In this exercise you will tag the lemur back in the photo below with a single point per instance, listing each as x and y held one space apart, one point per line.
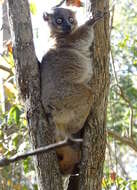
66 70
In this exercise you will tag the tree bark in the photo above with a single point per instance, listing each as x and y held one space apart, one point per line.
28 80
93 154
6 27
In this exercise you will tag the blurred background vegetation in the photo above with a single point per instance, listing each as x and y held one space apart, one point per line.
120 168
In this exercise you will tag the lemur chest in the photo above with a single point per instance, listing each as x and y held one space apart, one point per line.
75 62
82 52
85 64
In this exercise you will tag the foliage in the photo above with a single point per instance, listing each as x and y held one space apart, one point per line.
13 132
117 182
122 105
33 8
125 56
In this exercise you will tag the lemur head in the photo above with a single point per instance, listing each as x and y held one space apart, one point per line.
61 21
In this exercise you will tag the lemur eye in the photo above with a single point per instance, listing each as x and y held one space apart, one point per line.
71 20
59 20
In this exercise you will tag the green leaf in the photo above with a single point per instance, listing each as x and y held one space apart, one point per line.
26 164
15 139
135 62
33 8
17 115
14 115
10 115
123 44
24 187
134 185
1 134
35 187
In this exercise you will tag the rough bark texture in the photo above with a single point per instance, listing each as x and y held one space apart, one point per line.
91 168
6 27
27 74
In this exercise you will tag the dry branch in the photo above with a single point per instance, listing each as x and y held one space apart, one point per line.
6 161
58 5
122 94
2 67
125 140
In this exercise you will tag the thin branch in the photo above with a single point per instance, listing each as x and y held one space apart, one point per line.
122 94
111 154
125 140
58 5
2 67
131 122
131 111
113 65
6 161
112 18
3 99
5 27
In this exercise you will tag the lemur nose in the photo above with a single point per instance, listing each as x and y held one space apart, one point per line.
66 28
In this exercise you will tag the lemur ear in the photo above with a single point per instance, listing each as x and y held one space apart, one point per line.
46 16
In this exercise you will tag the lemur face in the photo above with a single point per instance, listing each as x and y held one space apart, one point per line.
61 21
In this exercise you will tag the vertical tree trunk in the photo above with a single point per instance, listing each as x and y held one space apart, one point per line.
6 27
27 74
91 168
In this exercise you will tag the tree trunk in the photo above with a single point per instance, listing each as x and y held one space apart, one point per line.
28 79
93 155
6 27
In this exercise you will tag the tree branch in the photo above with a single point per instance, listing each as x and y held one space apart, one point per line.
122 94
93 148
6 161
131 111
120 163
5 69
61 3
98 16
125 140
112 18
